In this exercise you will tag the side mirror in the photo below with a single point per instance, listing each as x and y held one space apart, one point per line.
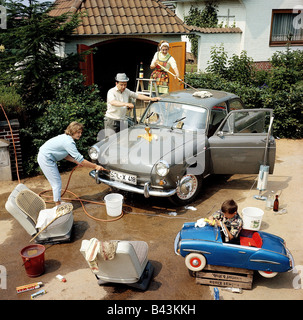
220 133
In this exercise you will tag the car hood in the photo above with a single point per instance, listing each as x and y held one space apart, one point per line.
190 232
132 147
272 242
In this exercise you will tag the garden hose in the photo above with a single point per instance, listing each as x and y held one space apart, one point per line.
65 190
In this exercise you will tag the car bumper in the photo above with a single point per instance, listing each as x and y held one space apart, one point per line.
147 191
176 244
291 259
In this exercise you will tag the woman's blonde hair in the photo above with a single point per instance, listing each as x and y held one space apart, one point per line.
73 127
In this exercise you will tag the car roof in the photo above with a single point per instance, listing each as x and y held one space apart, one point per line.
186 97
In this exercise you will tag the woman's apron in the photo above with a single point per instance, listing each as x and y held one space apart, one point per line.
161 76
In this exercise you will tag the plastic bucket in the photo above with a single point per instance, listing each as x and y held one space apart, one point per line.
252 218
113 202
33 259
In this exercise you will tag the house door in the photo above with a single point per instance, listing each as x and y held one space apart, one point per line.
87 65
178 51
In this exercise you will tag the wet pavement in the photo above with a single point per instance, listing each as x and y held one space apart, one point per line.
148 220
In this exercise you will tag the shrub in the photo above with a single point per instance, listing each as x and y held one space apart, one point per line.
74 102
11 102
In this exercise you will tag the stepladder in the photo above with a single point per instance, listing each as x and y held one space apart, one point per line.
146 87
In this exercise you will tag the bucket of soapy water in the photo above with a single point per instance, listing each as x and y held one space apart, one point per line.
113 202
33 259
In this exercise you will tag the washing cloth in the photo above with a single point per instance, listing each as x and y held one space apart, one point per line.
200 223
47 215
106 249
202 94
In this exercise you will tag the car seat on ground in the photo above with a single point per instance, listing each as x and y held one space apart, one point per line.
119 262
25 206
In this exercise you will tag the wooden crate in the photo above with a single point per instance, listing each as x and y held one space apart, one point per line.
225 277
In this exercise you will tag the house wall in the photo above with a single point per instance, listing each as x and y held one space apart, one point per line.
71 47
252 17
207 41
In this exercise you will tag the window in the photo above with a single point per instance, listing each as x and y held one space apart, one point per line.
235 104
285 27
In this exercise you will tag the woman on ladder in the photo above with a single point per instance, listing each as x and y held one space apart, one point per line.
164 59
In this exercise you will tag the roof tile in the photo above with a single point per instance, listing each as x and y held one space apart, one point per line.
113 17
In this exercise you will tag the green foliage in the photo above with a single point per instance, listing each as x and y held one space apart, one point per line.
287 69
11 102
218 63
281 88
74 102
288 112
29 60
237 68
206 18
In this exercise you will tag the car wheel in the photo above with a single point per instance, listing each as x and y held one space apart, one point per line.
189 187
267 274
195 261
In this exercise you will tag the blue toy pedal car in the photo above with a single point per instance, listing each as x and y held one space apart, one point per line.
257 250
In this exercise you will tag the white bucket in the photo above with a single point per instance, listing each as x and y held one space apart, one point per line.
113 202
252 218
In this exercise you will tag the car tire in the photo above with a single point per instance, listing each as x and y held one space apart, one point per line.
190 185
195 261
267 274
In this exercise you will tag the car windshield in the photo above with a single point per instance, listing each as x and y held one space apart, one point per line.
175 115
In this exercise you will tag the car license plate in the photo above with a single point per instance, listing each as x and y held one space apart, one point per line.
123 177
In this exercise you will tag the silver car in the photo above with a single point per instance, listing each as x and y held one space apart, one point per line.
180 140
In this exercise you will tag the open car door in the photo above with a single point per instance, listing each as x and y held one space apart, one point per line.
238 145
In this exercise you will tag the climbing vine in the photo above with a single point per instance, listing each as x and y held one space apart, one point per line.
206 18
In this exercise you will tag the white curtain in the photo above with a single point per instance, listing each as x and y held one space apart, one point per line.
284 28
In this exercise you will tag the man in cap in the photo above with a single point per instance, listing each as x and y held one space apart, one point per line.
117 104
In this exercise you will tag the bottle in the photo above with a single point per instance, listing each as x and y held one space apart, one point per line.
276 204
270 200
141 71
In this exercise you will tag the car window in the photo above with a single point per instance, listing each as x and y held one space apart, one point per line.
217 115
235 104
252 121
176 115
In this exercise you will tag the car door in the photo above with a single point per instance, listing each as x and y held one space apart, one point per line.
238 145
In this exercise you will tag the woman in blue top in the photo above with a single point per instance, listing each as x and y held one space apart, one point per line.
61 147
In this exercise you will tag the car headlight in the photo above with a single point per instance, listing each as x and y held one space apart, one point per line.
94 152
162 168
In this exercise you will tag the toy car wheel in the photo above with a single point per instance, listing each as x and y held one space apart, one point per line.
267 274
189 187
195 261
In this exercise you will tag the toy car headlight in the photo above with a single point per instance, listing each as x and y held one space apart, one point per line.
94 152
162 168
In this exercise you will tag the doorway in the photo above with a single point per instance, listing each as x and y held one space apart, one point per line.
121 56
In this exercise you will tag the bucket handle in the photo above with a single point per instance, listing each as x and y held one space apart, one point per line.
26 260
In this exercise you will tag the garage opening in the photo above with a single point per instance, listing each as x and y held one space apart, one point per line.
121 56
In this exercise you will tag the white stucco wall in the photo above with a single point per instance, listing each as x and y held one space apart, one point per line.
71 47
207 41
252 17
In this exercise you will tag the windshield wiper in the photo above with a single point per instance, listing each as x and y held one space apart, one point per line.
176 121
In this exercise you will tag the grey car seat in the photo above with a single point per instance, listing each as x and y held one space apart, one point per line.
129 263
25 205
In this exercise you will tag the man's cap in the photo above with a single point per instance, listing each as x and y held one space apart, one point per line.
121 77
